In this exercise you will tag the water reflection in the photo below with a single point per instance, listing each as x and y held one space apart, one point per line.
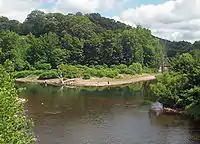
103 116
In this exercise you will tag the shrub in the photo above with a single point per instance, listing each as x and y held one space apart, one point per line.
48 75
86 76
136 68
126 71
98 67
69 71
105 66
9 66
123 69
22 74
118 77
111 74
113 67
122 66
149 70
38 72
81 67
15 127
100 73
42 66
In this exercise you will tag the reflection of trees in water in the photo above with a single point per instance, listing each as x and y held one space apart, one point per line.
80 99
122 91
126 91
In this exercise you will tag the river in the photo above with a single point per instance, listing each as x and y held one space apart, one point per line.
116 115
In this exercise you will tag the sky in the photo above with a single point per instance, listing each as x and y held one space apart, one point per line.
170 19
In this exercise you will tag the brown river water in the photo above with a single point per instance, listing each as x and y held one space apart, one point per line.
116 115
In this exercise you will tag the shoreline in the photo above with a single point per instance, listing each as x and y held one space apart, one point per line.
172 111
95 82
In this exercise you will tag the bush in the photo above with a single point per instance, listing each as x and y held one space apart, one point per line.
126 71
169 87
99 67
9 66
86 76
111 74
136 68
42 66
15 127
48 75
81 67
122 66
22 74
105 66
113 67
69 71
100 73
149 70
38 72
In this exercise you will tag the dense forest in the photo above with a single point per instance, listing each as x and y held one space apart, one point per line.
90 39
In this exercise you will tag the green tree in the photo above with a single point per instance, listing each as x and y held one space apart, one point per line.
15 127
180 88
34 23
9 66
183 63
91 50
90 39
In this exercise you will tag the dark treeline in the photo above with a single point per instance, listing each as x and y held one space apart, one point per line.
176 47
90 39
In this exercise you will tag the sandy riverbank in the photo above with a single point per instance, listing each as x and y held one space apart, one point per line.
122 80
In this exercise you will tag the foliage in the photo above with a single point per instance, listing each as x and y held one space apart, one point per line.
9 66
169 87
75 71
180 88
69 71
86 76
47 40
149 70
173 48
48 75
42 66
15 127
183 63
23 74
136 68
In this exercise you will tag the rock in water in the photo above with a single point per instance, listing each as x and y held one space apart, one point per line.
157 108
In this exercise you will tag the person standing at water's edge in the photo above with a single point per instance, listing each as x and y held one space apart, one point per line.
45 83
